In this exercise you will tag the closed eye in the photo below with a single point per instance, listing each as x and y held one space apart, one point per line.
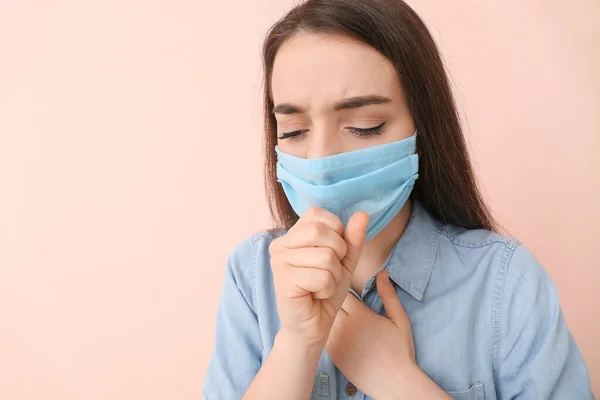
287 135
376 130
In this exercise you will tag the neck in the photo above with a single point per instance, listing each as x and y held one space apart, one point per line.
379 248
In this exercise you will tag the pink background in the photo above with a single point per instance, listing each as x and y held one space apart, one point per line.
130 165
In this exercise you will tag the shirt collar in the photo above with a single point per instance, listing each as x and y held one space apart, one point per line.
411 261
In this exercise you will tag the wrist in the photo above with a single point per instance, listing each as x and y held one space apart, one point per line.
412 383
290 344
288 372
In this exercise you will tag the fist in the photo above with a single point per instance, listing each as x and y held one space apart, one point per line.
312 265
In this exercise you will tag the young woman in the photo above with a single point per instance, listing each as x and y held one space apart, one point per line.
387 279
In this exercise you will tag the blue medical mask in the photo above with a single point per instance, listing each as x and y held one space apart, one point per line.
377 180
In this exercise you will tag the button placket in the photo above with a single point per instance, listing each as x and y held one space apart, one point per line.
321 388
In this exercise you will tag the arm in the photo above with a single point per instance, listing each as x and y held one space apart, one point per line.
236 369
415 384
538 357
312 269
237 354
288 372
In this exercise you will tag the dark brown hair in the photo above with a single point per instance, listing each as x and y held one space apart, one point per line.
446 187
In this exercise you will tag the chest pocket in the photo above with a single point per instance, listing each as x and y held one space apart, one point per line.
321 387
474 393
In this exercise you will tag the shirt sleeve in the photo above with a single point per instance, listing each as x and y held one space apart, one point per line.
538 357
236 357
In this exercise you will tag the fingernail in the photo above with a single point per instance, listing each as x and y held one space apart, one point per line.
384 275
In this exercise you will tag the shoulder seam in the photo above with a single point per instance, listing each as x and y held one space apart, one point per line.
260 235
497 303
255 238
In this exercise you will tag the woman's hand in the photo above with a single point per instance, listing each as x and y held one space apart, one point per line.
312 267
376 353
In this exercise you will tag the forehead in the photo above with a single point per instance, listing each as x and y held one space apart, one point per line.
323 68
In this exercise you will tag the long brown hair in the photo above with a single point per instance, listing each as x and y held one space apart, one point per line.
446 187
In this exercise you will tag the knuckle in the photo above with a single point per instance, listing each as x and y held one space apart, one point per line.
329 287
339 227
317 230
325 278
310 231
329 257
343 249
313 211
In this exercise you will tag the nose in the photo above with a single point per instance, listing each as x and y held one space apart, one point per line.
322 143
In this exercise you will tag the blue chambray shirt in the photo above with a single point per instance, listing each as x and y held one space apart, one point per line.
484 313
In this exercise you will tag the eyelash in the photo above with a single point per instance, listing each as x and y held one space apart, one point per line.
376 130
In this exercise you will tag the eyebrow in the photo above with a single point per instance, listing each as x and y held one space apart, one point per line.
345 104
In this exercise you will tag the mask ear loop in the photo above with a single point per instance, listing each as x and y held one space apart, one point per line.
416 141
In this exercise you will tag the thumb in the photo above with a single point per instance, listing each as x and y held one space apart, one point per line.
393 308
355 236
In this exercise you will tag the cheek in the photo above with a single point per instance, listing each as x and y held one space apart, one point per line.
399 130
293 147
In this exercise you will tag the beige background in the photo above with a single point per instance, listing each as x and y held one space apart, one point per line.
130 165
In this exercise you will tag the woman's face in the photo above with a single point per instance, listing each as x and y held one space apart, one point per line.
333 95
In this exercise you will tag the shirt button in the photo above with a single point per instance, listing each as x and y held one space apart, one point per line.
350 390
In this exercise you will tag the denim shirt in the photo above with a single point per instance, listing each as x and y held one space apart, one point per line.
484 313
